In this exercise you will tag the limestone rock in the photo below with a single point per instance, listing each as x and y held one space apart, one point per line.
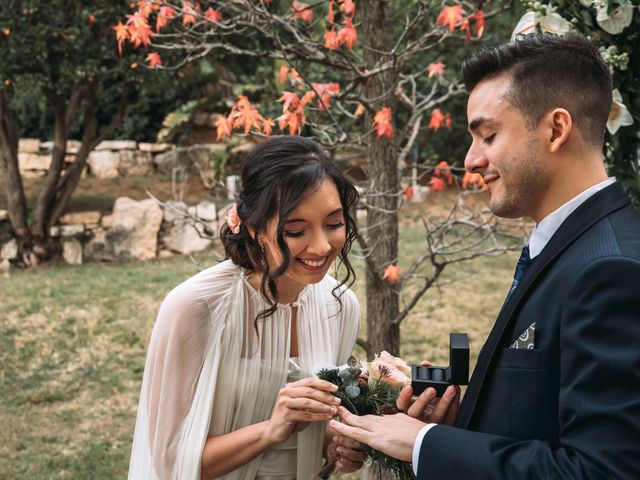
80 217
72 251
73 146
33 161
71 230
107 221
28 145
104 164
9 250
154 147
117 145
187 159
135 163
184 236
134 233
4 215
205 210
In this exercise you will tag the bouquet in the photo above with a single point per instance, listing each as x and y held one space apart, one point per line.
371 389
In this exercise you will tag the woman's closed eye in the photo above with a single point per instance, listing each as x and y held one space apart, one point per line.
299 233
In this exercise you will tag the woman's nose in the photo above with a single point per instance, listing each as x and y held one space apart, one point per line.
319 245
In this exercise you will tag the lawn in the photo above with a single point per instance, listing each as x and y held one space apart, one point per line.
73 341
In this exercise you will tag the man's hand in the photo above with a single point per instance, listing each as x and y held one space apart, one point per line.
429 408
391 434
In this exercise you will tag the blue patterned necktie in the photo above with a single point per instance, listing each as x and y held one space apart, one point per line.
524 262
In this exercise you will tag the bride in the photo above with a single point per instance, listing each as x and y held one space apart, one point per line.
228 388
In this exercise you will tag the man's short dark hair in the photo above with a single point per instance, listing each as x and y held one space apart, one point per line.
549 71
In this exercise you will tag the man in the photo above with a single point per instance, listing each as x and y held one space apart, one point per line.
556 390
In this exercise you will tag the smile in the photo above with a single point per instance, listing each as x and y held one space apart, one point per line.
313 264
489 179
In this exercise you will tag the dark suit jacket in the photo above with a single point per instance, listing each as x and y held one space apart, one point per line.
570 408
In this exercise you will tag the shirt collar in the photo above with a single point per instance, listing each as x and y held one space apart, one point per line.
545 229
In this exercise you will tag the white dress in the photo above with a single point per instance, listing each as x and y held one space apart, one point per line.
211 369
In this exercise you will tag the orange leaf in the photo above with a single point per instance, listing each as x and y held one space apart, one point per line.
291 121
154 60
348 33
293 73
450 16
246 115
331 41
326 91
382 121
473 179
306 98
437 119
188 14
282 77
443 170
213 15
331 16
479 18
408 192
223 128
140 32
437 184
289 99
164 15
302 11
266 126
466 28
145 8
359 110
348 7
122 34
436 69
391 273
447 120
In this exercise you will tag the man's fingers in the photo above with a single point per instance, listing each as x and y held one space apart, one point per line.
348 431
404 399
441 411
421 406
426 363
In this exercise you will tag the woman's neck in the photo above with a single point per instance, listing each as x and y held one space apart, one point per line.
288 290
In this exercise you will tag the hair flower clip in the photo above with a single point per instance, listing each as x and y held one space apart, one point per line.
233 220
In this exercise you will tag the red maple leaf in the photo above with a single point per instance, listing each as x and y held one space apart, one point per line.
282 77
302 11
325 91
391 273
140 32
479 26
443 170
291 121
382 121
122 34
437 184
348 34
437 119
213 15
145 8
348 7
450 16
289 100
331 41
164 15
306 98
266 126
246 115
331 16
188 14
473 180
466 28
359 110
436 69
223 128
154 60
408 192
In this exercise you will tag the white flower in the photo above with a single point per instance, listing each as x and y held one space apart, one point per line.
552 23
619 19
586 3
619 116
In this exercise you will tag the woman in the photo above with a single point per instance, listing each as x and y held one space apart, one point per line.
215 401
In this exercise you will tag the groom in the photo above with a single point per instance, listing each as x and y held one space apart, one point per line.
556 390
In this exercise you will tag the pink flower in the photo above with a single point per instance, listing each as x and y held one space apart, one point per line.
387 368
233 220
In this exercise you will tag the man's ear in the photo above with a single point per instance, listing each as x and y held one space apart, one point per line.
559 125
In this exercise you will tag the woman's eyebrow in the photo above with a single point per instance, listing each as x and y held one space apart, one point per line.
296 220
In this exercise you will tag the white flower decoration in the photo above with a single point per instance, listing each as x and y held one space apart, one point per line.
619 19
619 115
552 23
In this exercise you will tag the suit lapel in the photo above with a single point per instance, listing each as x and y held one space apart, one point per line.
586 215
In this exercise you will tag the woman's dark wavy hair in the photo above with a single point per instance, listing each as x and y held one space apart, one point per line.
278 174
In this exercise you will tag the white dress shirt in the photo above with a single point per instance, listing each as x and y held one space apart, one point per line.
540 236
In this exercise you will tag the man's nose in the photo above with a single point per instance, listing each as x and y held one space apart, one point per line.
475 159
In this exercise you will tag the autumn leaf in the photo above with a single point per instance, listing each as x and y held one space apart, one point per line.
293 73
122 34
139 30
437 119
473 180
443 170
188 14
289 99
359 110
154 60
245 115
391 273
331 41
479 25
164 15
347 34
436 69
447 120
331 15
306 98
408 192
266 126
213 15
7 31
282 76
223 128
291 121
302 11
466 28
145 8
450 16
382 121
92 19
437 184
348 7
325 91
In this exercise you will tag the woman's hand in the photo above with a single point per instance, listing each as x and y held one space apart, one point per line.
346 453
300 403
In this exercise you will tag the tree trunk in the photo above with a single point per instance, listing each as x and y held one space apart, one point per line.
382 200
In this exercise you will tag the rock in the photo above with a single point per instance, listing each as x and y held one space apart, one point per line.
33 173
155 147
28 145
72 251
232 183
187 159
71 230
134 233
166 254
4 215
54 231
183 236
104 164
117 145
107 221
32 161
205 211
174 211
9 250
98 248
80 217
135 163
5 266
73 146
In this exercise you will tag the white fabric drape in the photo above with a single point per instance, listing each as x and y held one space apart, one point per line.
209 372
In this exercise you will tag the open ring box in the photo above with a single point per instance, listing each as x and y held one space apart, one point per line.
457 373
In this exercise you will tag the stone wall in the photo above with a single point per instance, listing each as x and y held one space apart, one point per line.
134 229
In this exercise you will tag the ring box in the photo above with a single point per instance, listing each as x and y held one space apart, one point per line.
457 373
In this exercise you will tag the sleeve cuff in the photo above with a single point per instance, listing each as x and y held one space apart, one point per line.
418 445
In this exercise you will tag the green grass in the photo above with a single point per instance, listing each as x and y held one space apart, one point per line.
73 342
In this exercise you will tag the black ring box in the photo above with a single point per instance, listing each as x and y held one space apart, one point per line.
457 373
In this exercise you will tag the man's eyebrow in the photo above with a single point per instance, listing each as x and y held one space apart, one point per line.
478 122
295 220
